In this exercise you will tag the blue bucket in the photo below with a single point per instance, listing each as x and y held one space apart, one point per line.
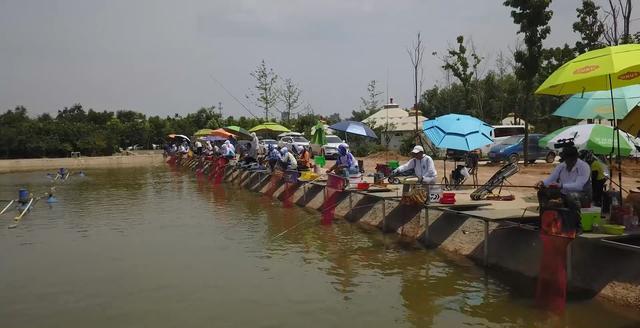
23 195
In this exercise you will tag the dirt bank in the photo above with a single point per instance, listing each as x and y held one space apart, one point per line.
34 164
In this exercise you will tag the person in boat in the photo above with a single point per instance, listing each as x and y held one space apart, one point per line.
421 164
304 158
599 175
288 161
346 164
62 171
273 156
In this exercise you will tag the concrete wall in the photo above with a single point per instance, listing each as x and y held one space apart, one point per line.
597 270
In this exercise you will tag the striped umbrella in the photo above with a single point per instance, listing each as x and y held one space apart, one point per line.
595 137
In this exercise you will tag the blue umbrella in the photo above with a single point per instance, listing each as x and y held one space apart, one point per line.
597 104
455 131
356 128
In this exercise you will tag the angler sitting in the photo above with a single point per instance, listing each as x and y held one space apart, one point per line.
304 159
422 165
288 161
273 157
346 163
572 179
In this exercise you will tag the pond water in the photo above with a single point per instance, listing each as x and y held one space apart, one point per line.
158 248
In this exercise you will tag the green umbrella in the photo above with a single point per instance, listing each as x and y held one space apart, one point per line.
595 137
269 127
241 132
319 134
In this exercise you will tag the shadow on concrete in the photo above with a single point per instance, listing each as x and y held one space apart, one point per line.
312 192
400 216
443 227
361 208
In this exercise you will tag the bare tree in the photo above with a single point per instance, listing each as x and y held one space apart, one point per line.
289 94
611 21
416 53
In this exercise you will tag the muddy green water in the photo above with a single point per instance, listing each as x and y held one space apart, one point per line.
154 248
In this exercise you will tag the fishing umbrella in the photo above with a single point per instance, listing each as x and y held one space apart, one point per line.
602 69
597 104
173 136
318 134
455 131
631 122
595 137
221 133
353 127
269 127
202 132
238 131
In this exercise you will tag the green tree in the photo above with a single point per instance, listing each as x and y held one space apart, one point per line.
463 66
589 26
533 16
266 90
370 104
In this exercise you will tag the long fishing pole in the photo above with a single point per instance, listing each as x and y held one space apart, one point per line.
232 96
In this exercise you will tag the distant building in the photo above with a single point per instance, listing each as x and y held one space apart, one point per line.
513 119
400 124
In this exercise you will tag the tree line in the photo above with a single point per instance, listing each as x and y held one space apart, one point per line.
506 87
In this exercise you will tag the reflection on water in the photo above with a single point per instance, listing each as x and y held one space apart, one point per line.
159 247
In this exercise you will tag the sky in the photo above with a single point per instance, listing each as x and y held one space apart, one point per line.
162 57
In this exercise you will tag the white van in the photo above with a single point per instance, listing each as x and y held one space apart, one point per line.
499 134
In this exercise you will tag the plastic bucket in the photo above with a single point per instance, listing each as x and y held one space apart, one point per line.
588 219
320 160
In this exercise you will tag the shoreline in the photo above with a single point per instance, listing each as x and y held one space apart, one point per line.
81 163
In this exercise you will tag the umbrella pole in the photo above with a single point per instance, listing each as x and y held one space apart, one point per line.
616 136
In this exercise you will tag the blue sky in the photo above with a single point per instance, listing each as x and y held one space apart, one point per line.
160 57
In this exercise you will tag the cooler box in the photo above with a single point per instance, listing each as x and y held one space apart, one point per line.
588 217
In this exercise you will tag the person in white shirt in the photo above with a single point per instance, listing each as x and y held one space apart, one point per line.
573 175
422 165
572 178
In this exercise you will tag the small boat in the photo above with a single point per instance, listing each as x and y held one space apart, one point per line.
24 211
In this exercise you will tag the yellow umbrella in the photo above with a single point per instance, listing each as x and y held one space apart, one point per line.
269 127
602 69
203 132
631 122
597 70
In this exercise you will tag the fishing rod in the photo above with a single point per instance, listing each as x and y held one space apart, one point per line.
232 96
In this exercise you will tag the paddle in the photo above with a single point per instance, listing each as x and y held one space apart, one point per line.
6 207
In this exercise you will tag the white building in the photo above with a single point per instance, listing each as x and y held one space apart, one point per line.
399 122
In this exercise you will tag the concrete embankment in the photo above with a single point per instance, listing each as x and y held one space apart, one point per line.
80 163
595 270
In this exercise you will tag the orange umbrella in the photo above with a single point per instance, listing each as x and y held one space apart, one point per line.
221 133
